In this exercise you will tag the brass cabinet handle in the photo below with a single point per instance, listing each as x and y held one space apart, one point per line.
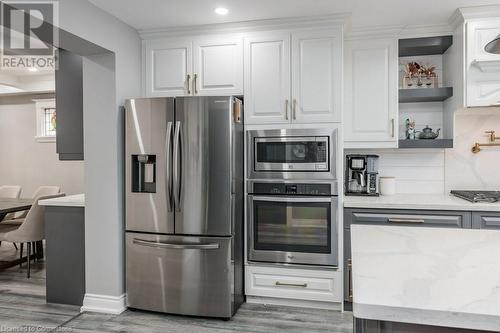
301 285
493 136
393 127
195 77
406 220
294 109
188 78
286 109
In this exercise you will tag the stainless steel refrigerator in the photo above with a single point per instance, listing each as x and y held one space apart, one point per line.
184 205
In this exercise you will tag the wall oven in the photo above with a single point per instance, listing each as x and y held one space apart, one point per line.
293 222
292 154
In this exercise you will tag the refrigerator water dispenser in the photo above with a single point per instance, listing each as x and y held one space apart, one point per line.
144 173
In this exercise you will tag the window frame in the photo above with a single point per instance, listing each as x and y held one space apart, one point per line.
41 105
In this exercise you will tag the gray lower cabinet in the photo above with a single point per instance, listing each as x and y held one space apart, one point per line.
486 220
376 326
65 254
69 105
411 218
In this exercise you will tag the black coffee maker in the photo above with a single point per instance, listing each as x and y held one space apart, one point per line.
361 175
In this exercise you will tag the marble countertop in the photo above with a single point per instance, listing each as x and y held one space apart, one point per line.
419 201
77 200
429 276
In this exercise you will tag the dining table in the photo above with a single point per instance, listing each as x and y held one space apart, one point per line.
12 206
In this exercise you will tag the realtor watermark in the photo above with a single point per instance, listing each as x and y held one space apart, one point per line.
28 35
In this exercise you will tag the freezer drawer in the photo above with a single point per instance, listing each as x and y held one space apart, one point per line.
181 275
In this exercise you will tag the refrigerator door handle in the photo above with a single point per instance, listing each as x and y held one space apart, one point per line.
177 169
177 246
168 178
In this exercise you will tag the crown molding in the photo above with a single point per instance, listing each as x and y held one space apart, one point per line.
478 12
398 31
456 19
391 31
340 19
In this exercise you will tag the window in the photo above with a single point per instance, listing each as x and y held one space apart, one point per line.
46 120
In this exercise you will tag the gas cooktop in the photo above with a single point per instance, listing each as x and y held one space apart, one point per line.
478 196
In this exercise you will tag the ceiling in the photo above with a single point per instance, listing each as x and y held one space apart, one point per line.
151 14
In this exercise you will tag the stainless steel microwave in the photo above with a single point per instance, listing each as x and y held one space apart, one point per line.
292 153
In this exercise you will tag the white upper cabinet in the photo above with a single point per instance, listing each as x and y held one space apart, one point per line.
267 79
218 66
371 93
167 65
483 69
293 82
316 77
205 66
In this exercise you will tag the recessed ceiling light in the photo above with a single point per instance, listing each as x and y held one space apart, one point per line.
221 11
33 69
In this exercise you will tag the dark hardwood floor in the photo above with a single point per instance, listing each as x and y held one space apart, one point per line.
23 308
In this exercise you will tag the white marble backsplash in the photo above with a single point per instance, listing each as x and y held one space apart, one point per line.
465 170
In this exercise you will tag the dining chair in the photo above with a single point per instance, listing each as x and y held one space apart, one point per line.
41 191
32 230
10 191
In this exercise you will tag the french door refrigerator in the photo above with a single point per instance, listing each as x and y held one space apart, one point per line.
184 205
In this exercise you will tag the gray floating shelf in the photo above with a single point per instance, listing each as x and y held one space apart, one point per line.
424 46
425 94
436 143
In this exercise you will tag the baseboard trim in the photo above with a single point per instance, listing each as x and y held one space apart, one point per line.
294 303
104 304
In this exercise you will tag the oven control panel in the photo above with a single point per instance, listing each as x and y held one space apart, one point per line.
292 189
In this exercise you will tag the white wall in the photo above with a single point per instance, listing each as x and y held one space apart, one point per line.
104 220
27 162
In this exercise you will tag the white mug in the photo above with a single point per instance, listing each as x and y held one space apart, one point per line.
387 185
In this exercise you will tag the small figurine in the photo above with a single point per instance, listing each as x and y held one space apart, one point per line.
410 129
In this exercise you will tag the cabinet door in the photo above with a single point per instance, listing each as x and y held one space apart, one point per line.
69 104
218 66
316 76
167 66
371 93
486 220
483 68
267 79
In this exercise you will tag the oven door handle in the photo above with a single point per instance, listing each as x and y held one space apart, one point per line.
294 199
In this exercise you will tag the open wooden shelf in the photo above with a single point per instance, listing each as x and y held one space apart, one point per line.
424 46
425 94
435 143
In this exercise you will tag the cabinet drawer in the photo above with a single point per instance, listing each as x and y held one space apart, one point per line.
310 285
442 219
485 220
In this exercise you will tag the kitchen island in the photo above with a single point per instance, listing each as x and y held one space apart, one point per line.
65 249
408 279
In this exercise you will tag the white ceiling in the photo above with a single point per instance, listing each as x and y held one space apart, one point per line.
150 14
